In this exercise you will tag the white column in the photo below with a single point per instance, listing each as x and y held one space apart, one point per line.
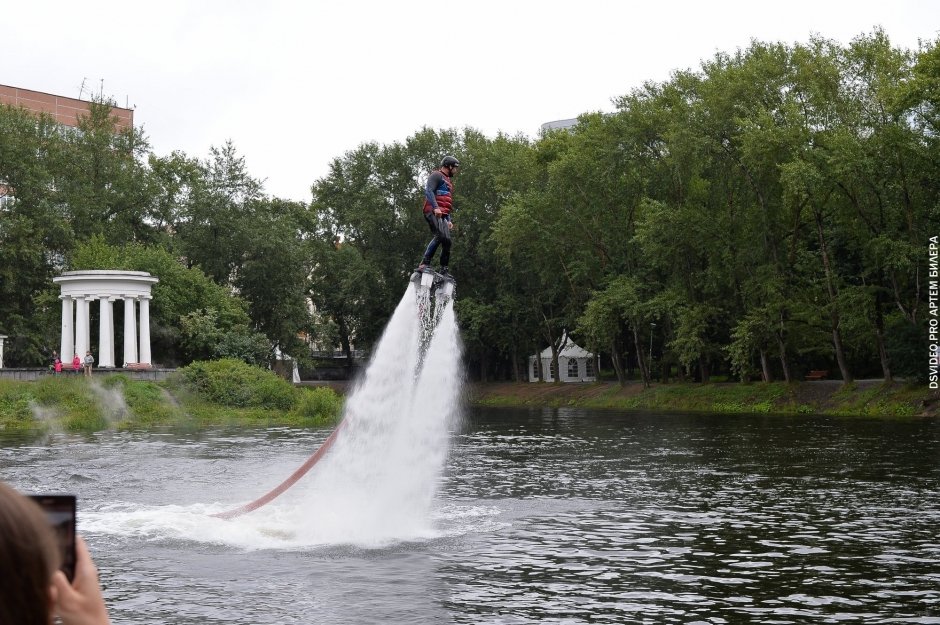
130 331
67 343
111 328
89 299
145 329
82 330
105 332
2 338
87 328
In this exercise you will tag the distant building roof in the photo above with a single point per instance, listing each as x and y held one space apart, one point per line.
64 110
559 124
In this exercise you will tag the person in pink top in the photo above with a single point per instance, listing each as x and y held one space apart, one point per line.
76 363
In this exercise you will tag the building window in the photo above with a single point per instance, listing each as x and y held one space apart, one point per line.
590 370
552 370
535 369
573 368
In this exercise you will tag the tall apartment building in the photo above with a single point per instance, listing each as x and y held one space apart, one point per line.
64 110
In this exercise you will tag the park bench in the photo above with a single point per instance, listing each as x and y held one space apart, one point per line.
817 375
138 366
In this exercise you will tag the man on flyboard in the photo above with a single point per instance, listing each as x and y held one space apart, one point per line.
438 202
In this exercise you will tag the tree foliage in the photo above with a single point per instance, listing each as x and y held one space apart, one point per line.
763 214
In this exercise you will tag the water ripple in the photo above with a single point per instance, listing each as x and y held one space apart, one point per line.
554 516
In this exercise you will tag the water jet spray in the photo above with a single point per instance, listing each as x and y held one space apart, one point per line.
397 403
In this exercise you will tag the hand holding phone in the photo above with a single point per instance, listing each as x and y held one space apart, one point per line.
60 510
80 602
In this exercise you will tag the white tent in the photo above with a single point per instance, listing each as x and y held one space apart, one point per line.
576 364
282 357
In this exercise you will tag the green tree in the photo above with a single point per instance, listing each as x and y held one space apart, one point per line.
214 223
102 181
615 316
490 306
181 292
34 234
273 276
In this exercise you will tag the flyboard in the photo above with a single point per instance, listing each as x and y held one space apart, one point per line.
441 286
427 283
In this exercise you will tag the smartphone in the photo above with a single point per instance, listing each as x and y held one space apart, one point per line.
60 510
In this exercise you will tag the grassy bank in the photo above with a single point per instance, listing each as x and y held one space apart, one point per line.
229 393
867 398
219 393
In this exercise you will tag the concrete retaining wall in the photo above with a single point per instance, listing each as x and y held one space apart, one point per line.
27 374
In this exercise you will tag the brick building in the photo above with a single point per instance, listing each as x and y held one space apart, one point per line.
64 110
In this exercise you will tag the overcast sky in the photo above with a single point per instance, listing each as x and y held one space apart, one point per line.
296 84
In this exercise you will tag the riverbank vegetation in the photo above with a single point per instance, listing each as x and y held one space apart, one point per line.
218 393
230 393
762 215
862 398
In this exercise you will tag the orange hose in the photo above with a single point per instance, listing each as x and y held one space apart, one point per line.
290 481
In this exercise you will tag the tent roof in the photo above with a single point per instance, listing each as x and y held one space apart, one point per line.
571 350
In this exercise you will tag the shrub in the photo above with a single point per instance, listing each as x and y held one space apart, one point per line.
234 383
319 405
73 398
15 411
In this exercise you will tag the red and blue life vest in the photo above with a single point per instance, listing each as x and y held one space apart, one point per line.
443 194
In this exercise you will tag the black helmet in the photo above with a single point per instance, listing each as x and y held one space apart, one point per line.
450 161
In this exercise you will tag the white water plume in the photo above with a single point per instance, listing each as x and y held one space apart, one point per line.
46 415
379 481
113 405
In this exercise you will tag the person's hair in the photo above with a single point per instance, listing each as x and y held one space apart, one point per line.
28 557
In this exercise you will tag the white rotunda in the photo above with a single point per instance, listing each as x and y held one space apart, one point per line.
80 288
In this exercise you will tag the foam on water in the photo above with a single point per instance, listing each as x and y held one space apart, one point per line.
378 483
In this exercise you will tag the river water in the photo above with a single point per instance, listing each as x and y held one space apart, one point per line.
541 516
